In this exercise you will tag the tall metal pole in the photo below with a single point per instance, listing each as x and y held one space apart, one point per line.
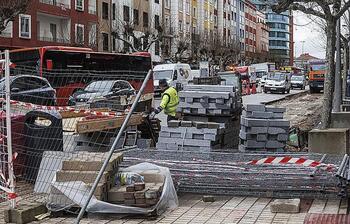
337 87
9 127
111 151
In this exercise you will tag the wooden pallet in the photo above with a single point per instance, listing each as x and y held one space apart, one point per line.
100 124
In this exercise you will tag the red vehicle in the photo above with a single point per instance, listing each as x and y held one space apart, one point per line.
69 69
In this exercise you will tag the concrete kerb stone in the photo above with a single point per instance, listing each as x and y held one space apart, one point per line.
24 213
285 206
255 107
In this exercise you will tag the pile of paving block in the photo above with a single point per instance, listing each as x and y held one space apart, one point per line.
191 135
208 100
263 129
85 170
210 120
138 194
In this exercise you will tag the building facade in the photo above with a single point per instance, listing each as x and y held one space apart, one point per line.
144 17
250 31
262 38
280 34
64 22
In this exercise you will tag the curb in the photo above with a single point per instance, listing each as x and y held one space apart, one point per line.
304 92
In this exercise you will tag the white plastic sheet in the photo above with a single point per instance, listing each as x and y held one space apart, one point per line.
76 193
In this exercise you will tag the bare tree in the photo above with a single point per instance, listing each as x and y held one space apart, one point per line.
135 37
330 11
9 9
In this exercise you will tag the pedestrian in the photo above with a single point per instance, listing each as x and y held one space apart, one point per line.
169 103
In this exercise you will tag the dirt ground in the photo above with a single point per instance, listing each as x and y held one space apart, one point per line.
303 111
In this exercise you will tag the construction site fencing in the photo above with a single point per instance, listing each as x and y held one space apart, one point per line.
63 124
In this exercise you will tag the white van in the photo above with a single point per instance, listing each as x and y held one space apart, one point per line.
173 73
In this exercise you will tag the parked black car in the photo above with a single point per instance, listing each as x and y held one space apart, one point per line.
101 90
30 89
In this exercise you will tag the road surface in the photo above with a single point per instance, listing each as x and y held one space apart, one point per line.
249 99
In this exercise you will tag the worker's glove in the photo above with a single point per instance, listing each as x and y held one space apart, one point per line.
152 115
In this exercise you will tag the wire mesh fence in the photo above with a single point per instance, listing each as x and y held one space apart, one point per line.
63 122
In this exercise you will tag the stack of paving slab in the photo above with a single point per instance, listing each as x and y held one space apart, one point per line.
208 100
191 135
84 169
210 120
263 129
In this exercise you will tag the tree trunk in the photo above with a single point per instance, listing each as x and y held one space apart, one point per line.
337 86
329 76
345 68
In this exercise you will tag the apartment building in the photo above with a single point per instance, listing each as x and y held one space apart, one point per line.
262 37
280 34
250 30
53 22
142 16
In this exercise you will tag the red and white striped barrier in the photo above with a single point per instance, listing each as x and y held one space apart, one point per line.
293 161
63 109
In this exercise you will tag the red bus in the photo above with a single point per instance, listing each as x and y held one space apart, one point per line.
71 68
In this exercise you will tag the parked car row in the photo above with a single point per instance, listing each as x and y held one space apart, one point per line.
282 82
37 90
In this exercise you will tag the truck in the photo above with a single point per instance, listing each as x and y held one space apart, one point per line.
262 69
174 74
317 71
248 71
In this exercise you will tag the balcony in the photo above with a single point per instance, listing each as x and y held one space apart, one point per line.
56 29
53 39
63 4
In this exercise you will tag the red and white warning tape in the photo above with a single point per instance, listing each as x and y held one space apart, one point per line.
295 161
62 108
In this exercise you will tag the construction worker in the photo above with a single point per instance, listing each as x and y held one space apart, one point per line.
169 102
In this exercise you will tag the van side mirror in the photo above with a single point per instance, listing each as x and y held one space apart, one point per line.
175 75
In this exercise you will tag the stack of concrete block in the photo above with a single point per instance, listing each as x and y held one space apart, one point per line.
263 129
191 135
138 194
86 169
208 100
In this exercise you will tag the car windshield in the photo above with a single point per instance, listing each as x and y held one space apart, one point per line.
2 82
99 86
166 74
297 78
276 76
230 80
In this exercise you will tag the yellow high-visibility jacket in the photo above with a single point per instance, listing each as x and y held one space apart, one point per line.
170 100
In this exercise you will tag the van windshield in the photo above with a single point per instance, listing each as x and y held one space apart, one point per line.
165 74
276 76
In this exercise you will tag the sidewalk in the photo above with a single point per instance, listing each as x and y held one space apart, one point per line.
225 209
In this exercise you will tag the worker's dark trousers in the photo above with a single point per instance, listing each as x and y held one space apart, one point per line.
171 118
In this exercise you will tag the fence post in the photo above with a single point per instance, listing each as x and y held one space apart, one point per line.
9 128
111 151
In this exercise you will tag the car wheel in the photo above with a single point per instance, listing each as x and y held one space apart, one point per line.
265 90
288 91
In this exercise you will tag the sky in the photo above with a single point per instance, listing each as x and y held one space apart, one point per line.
305 30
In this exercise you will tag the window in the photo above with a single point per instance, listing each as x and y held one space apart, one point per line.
25 27
194 12
113 11
157 48
92 34
181 5
79 5
136 17
156 21
180 26
126 11
167 4
156 1
188 6
53 31
79 33
105 41
145 19
105 10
